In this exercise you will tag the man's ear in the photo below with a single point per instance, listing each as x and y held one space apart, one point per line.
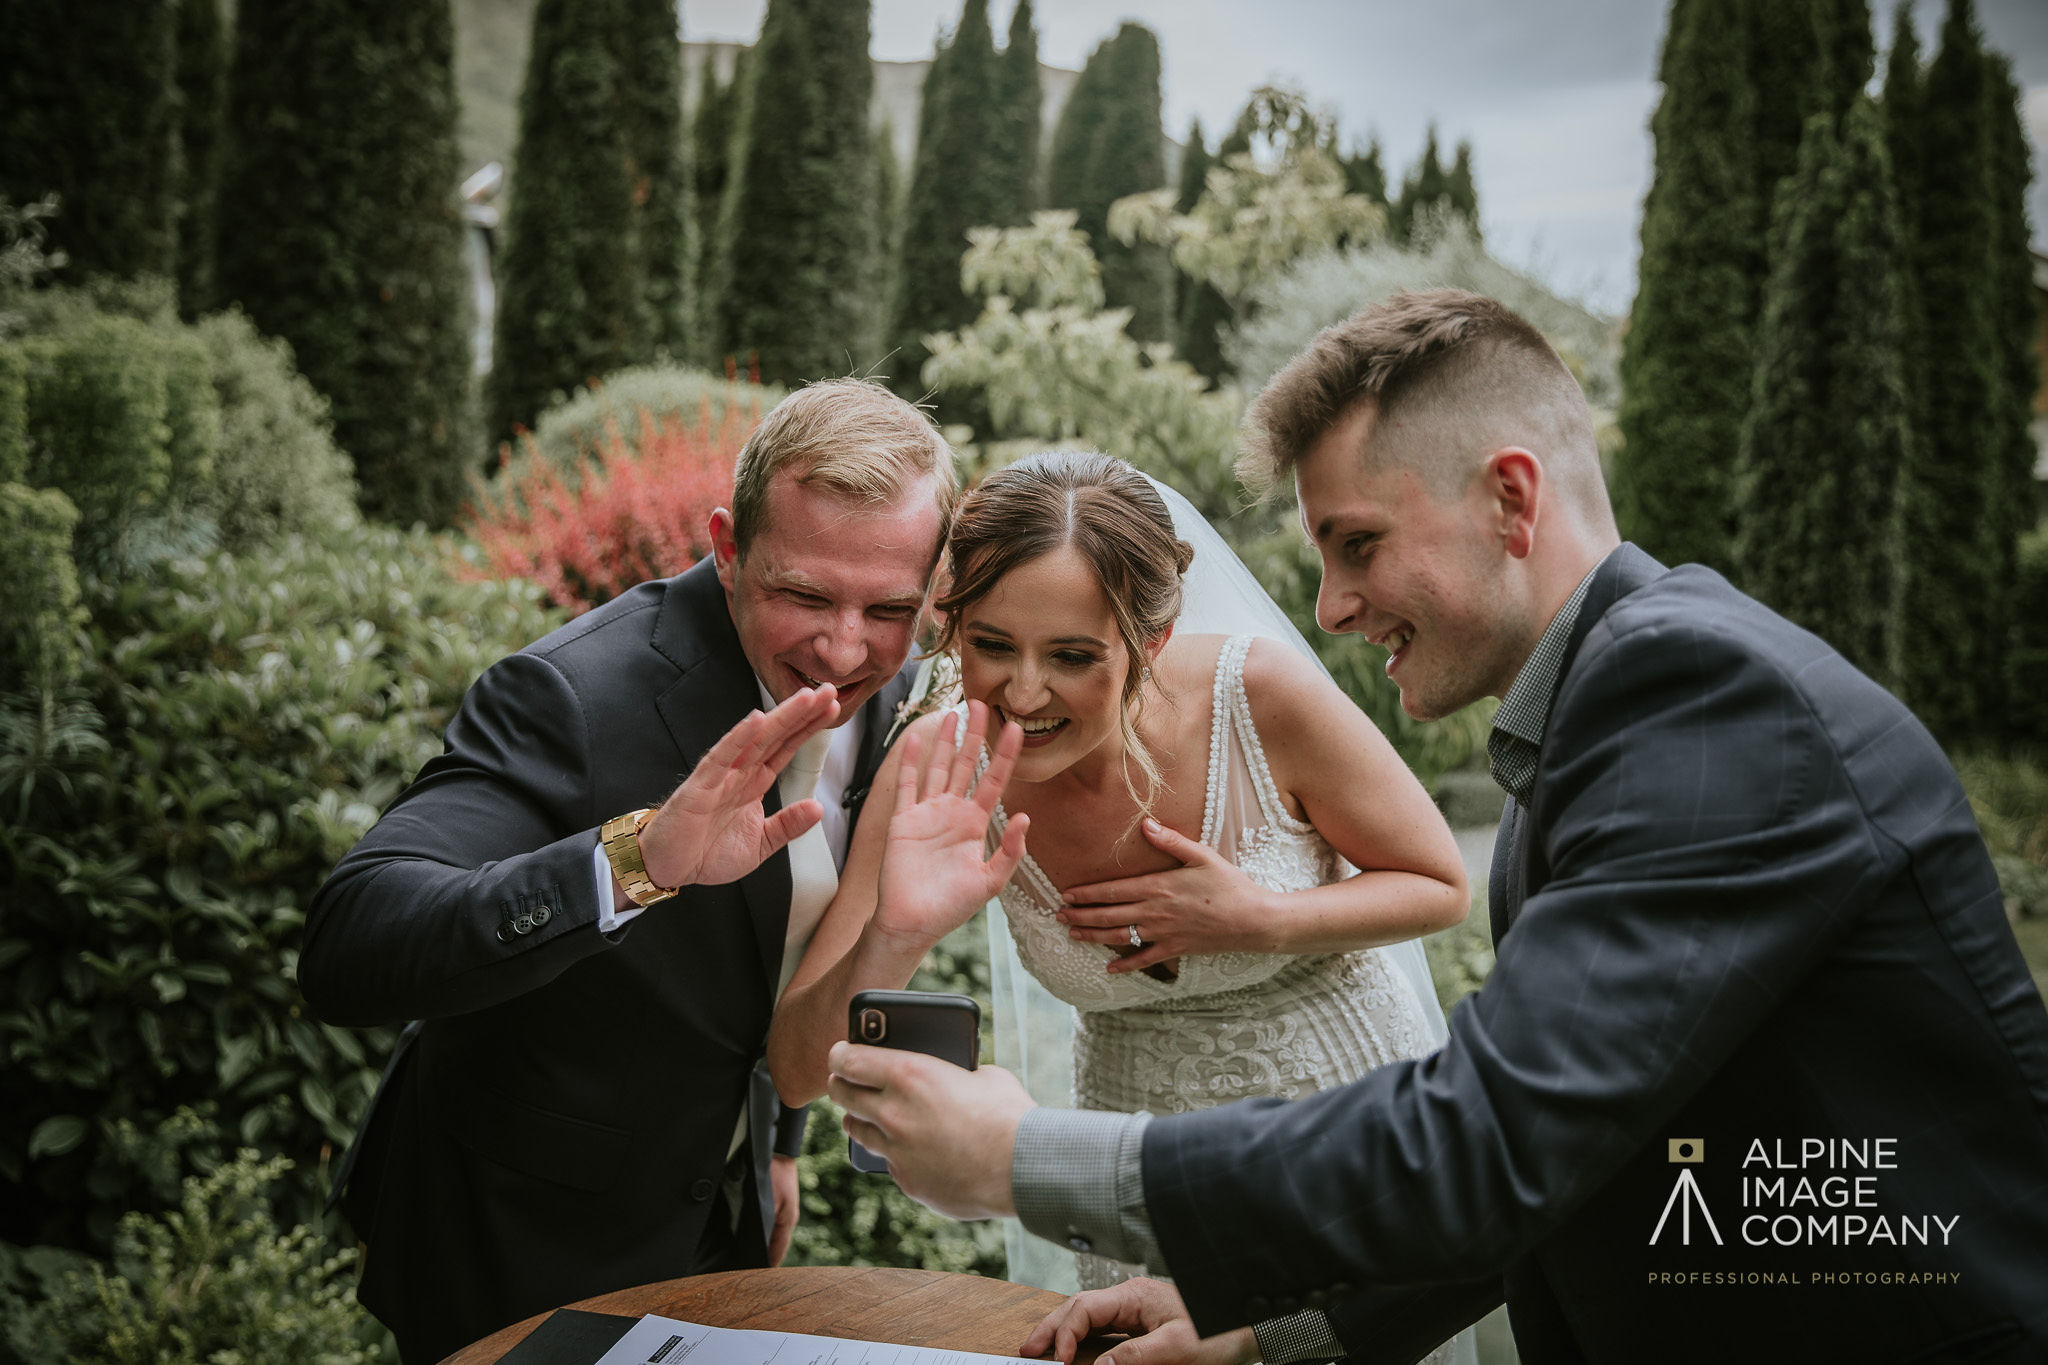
1515 489
725 546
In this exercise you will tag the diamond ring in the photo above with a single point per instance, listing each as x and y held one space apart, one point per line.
1136 942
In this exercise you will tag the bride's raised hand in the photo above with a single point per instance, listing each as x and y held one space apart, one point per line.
934 875
1206 905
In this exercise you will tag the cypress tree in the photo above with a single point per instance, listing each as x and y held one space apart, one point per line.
651 59
202 100
954 185
2010 453
1203 312
797 230
1903 107
888 214
1425 193
1460 193
589 276
1109 144
88 111
710 165
1365 174
340 233
1952 523
1019 110
1686 360
1828 437
1070 162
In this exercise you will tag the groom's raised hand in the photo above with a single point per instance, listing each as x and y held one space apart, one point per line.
711 830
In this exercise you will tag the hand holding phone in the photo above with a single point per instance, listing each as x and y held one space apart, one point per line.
940 1025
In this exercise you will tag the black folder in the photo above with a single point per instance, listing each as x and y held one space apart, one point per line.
570 1336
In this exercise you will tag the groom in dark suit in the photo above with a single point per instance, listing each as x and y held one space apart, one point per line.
595 952
1759 1072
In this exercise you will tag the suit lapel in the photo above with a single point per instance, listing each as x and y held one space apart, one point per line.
1504 877
715 692
1625 570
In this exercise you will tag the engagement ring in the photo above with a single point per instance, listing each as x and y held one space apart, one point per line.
1136 942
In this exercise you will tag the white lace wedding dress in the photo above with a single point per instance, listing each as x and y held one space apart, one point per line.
1230 1025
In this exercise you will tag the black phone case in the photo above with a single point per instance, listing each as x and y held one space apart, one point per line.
940 1025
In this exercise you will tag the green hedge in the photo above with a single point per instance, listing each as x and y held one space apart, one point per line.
240 722
13 413
39 631
99 426
212 1280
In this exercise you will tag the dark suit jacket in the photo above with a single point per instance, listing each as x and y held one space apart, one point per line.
560 1123
1748 902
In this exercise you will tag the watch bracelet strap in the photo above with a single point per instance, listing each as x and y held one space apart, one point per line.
621 840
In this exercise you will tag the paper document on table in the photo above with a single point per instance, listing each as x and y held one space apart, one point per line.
667 1341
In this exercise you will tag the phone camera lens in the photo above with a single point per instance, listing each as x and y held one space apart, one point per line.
874 1026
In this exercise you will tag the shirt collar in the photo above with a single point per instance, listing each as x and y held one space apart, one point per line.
1518 726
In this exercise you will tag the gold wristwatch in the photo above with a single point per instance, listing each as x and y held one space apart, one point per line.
621 839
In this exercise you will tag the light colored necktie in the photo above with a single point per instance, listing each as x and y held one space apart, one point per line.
813 874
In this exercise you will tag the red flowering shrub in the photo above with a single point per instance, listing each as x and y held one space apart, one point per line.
628 511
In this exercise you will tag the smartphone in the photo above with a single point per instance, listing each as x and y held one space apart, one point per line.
944 1026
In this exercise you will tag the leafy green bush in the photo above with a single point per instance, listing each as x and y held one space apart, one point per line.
1461 957
2026 662
212 1281
13 413
2009 796
38 634
277 470
239 724
672 395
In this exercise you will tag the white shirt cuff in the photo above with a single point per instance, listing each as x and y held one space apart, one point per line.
608 919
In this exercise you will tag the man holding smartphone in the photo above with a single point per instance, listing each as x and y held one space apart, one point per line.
1743 917
594 951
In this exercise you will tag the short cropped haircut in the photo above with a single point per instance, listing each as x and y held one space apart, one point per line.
1461 368
849 437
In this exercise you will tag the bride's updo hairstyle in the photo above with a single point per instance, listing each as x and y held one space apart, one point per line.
1113 516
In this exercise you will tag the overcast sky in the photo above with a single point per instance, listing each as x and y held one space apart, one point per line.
1554 95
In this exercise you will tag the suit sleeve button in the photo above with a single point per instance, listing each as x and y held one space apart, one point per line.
523 924
542 915
701 1191
506 933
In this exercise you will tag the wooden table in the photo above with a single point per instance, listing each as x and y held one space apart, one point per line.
905 1307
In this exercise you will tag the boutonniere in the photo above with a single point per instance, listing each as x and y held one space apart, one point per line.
936 687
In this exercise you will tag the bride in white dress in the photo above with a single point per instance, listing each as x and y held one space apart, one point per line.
1197 807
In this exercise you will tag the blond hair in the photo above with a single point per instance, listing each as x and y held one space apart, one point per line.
849 437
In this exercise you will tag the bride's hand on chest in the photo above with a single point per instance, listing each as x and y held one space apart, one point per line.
1198 903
